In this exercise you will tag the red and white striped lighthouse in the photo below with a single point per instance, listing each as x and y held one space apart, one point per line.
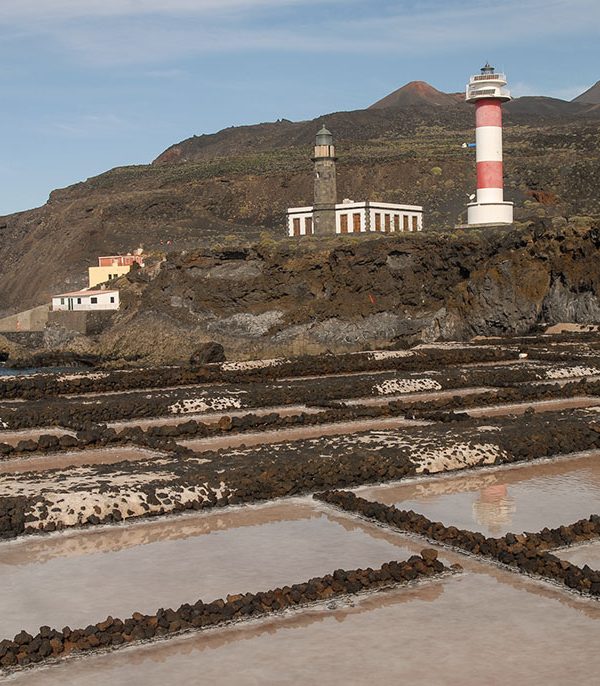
487 91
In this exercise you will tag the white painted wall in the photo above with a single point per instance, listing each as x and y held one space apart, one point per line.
366 210
301 213
86 302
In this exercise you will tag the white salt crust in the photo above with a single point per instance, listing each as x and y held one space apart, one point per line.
252 364
571 372
194 405
391 386
72 509
389 354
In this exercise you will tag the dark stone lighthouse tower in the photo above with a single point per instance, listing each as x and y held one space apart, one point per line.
325 183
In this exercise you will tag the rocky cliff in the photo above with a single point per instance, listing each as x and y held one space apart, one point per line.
351 293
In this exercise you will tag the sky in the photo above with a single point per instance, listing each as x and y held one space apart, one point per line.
89 85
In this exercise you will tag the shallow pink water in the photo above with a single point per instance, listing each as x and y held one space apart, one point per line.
76 458
84 576
485 626
554 405
586 554
521 498
298 433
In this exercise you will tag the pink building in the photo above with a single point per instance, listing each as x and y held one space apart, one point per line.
120 260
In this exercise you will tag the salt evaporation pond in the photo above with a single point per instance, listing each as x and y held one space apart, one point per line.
93 456
585 554
485 626
78 578
519 498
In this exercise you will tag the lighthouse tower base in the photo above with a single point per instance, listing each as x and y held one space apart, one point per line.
490 213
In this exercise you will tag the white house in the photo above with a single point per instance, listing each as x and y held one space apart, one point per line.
86 301
360 217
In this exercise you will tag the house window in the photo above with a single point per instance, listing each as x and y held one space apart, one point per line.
405 223
377 221
308 226
356 222
344 223
62 301
415 223
79 301
296 226
112 298
94 301
396 222
388 224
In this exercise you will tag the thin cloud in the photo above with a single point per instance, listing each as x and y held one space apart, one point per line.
114 32
60 10
87 125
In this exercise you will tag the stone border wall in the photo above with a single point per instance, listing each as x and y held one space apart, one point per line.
91 435
98 381
25 650
526 552
219 479
69 412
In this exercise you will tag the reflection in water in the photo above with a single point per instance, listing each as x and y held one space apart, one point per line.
494 508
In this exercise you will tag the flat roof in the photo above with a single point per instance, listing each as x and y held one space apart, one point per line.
360 205
84 293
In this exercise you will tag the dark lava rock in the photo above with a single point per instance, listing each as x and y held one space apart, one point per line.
207 353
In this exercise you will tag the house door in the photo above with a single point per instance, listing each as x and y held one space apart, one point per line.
344 223
70 303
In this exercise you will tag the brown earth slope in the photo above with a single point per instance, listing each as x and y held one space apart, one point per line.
591 95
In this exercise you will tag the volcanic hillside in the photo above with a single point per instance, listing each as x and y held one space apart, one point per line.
591 96
237 183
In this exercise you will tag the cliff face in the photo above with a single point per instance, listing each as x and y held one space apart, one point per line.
296 297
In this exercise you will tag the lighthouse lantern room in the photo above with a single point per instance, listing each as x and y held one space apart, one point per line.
487 91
